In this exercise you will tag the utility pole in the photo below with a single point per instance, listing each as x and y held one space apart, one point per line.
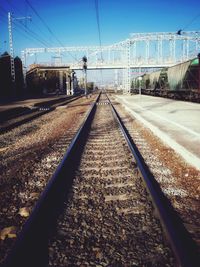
84 59
12 63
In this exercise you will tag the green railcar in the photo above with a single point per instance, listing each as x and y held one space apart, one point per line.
180 81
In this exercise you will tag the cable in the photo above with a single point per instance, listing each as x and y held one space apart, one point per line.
29 31
99 34
19 11
25 29
28 37
29 34
12 5
37 37
192 20
179 32
48 28
98 25
42 20
21 32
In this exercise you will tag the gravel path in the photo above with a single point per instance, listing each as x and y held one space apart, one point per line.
29 155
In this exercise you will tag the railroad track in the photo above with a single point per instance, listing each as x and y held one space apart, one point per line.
37 111
105 215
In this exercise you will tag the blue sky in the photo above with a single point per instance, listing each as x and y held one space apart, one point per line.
74 21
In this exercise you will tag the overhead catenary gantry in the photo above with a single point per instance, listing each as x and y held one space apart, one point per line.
140 50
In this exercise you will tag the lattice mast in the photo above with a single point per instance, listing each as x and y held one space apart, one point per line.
10 31
128 67
12 63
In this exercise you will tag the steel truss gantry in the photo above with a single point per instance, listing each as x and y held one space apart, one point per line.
140 50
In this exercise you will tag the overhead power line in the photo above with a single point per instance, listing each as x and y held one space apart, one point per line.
48 28
98 26
15 7
99 34
191 21
179 32
43 21
31 35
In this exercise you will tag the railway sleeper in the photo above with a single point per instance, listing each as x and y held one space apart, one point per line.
109 248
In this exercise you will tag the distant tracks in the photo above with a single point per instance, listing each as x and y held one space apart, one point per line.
38 111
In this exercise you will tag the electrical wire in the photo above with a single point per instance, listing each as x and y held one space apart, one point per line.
21 26
43 21
24 30
98 26
47 43
21 13
99 34
191 21
32 33
179 32
48 28
21 31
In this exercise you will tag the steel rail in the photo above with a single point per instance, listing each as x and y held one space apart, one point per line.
183 246
31 246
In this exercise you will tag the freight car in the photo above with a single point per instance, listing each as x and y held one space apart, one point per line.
181 81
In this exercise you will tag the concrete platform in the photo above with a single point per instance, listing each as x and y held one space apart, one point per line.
176 123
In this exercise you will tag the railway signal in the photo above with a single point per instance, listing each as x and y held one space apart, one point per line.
84 59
